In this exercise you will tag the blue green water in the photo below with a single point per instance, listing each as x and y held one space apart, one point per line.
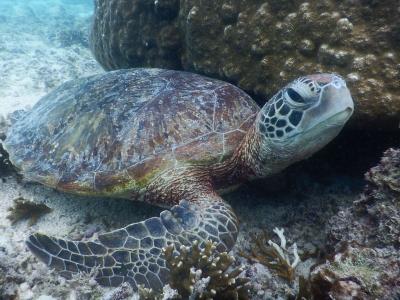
42 44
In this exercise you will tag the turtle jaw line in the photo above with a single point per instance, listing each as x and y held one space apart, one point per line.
336 120
340 117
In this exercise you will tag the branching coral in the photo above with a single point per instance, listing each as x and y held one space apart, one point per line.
25 209
198 273
274 256
148 294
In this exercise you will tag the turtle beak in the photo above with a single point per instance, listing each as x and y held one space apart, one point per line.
337 101
335 105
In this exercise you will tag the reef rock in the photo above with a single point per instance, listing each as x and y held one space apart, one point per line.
374 218
258 45
136 33
365 240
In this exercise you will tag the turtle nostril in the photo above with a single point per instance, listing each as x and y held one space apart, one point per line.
338 82
349 110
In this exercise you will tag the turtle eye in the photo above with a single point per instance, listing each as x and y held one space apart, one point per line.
295 96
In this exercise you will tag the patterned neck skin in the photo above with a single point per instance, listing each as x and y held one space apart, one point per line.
297 122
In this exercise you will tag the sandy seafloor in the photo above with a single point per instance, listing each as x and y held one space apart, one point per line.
43 44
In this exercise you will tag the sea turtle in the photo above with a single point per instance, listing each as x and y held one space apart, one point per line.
170 138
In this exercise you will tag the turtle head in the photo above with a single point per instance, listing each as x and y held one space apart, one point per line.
305 115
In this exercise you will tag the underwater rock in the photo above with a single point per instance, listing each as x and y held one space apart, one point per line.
353 274
365 240
374 218
136 33
4 124
6 168
257 45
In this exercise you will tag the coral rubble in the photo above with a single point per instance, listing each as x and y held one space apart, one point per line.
260 44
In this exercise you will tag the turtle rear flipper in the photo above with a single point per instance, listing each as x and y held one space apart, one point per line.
134 253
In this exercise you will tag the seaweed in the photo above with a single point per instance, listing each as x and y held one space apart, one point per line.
272 255
204 273
304 291
26 209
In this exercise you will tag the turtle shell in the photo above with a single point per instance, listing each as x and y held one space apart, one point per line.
114 132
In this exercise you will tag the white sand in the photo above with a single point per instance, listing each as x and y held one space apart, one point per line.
32 60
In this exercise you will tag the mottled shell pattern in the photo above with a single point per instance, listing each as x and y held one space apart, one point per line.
114 132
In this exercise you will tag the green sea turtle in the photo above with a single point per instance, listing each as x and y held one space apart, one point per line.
170 138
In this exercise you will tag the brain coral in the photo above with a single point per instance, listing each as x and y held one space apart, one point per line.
259 45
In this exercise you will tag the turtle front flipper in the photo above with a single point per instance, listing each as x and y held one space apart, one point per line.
134 253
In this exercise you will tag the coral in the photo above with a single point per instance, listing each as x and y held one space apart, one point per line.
21 278
351 274
376 213
148 294
358 263
259 44
80 286
386 176
204 273
145 33
124 291
200 273
9 278
365 240
26 209
274 256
